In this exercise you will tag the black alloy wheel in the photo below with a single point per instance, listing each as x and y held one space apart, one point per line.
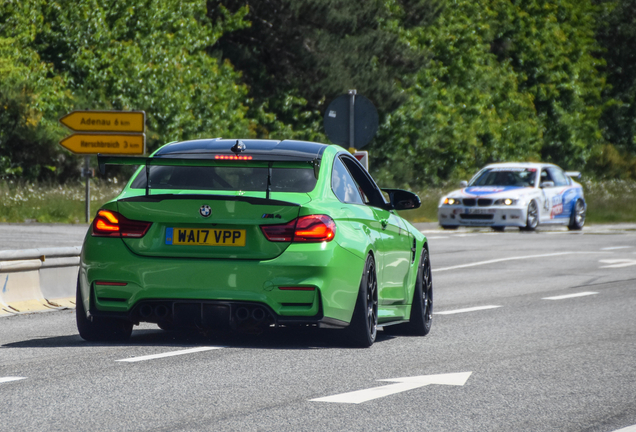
99 329
363 328
421 317
422 309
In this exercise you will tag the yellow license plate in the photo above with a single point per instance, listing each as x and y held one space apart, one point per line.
205 237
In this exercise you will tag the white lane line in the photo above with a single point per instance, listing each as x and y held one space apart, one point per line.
617 263
168 354
567 296
617 247
627 429
9 379
510 259
472 309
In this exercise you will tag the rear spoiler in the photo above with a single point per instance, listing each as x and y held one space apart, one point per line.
573 174
198 160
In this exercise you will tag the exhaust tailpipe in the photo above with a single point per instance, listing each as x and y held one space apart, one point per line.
145 311
258 314
161 311
242 314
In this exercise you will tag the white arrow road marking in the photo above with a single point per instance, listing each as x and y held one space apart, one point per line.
627 429
168 354
567 296
472 309
9 379
616 263
511 259
402 384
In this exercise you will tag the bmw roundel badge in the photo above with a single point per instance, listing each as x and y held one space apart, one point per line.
205 210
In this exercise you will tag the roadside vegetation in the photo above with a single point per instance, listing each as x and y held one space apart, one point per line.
49 202
457 84
609 201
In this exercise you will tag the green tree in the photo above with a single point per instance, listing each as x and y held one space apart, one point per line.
298 55
30 99
551 45
465 109
139 55
617 37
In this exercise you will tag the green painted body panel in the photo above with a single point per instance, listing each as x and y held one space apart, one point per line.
184 213
154 270
334 271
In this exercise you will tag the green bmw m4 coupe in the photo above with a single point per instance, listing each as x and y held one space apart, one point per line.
248 234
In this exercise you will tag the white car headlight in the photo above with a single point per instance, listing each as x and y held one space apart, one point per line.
506 201
452 201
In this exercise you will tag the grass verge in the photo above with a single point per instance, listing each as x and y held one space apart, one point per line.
48 203
608 201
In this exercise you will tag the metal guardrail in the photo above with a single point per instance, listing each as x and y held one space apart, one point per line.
33 280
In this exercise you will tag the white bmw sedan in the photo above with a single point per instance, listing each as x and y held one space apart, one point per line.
523 195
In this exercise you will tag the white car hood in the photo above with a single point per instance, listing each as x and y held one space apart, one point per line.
493 192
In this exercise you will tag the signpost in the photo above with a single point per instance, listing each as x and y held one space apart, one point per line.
351 120
104 132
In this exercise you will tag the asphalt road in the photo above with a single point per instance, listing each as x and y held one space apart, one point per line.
538 361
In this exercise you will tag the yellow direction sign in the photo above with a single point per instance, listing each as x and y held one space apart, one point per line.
113 144
105 121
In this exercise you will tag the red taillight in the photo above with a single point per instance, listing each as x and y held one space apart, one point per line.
306 229
232 157
109 223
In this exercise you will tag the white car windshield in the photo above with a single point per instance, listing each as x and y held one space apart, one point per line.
522 177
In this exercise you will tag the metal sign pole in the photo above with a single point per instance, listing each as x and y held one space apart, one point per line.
87 161
352 108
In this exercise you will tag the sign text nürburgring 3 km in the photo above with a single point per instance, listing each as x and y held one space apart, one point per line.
105 132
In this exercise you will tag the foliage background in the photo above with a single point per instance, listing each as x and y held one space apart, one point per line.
457 83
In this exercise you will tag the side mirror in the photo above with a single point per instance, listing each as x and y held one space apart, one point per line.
403 200
463 184
547 184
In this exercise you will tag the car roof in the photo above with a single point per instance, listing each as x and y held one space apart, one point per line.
259 148
536 165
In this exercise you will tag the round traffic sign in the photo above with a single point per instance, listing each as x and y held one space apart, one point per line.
337 121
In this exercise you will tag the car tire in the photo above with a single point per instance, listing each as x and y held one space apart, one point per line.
577 218
362 330
421 316
532 217
99 328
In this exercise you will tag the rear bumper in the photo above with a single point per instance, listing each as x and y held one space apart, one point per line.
330 275
213 314
488 216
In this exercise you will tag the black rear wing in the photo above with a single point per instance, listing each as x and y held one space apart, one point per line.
206 159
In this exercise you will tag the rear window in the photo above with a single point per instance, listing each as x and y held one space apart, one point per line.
227 178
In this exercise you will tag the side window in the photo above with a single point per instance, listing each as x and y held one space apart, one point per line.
368 189
559 177
343 185
545 176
